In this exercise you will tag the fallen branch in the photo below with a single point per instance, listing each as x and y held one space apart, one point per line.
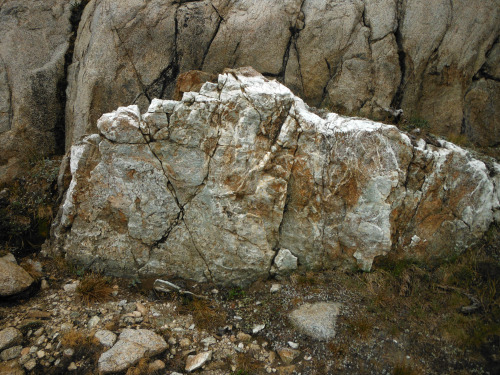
168 287
476 304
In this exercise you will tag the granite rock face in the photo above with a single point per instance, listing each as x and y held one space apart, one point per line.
213 186
34 42
352 56
60 72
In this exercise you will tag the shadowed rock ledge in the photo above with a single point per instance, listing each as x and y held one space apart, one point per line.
213 186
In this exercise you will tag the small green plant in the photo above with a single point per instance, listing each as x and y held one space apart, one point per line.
236 293
240 372
418 122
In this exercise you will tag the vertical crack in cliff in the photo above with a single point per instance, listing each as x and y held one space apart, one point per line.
77 9
163 85
122 45
10 113
289 183
214 35
396 234
295 30
398 96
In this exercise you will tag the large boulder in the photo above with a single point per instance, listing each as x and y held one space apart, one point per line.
35 40
352 56
213 186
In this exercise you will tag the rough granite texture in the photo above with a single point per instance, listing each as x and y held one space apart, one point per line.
213 186
437 60
34 40
353 56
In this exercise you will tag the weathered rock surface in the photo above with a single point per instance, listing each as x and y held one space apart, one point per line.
436 60
10 337
213 186
316 319
354 56
13 278
195 362
35 39
131 346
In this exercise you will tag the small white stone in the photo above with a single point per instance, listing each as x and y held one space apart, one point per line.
293 345
93 322
71 287
257 328
275 288
72 366
196 361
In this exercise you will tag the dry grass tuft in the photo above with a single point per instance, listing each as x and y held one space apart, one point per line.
205 315
82 344
94 288
245 364
360 325
141 368
404 368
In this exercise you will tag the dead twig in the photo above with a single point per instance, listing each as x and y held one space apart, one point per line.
168 287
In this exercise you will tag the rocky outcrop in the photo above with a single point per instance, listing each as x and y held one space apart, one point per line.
355 57
213 186
437 60
35 40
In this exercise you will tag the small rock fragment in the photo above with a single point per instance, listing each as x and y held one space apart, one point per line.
105 337
284 262
10 337
196 361
257 328
30 365
293 345
317 320
72 366
11 353
157 365
132 345
71 287
94 321
275 288
288 355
